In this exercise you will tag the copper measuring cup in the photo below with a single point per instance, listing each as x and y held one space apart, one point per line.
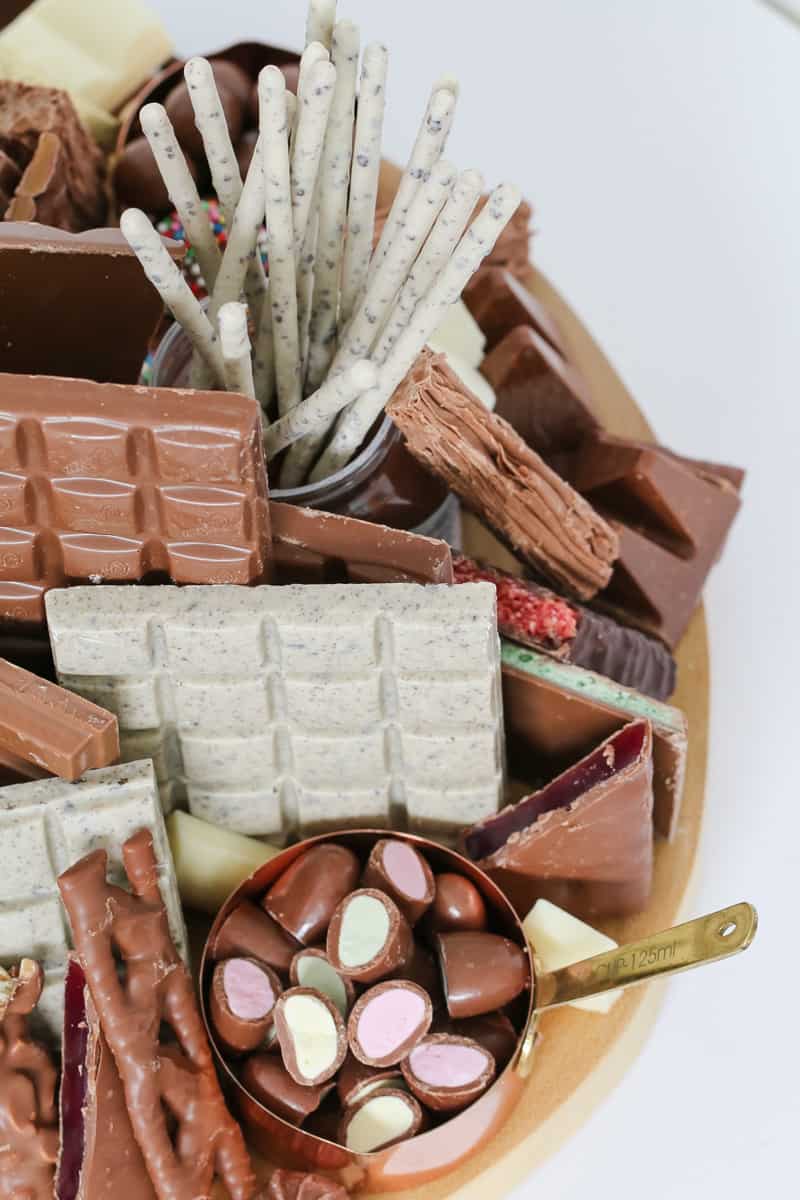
438 1151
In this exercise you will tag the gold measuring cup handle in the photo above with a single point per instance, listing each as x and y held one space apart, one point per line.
704 940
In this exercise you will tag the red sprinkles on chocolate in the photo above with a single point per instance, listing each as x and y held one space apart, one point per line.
540 618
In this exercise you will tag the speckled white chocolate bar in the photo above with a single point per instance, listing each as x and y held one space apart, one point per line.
288 710
45 827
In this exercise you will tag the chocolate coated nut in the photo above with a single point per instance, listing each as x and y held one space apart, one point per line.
312 1035
137 179
368 937
357 1080
249 931
481 972
304 899
457 905
265 1077
401 872
181 114
312 968
241 1002
388 1021
446 1072
380 1120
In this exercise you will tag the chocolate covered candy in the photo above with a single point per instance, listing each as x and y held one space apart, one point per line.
267 1079
137 180
457 905
312 968
311 1034
400 871
357 1080
298 1185
481 972
304 899
368 937
388 1021
493 1031
378 1121
422 969
249 931
242 999
447 1072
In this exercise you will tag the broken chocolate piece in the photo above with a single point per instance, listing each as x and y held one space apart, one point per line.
312 968
380 1120
397 869
585 840
242 1000
500 304
481 972
176 1078
368 937
388 1021
357 1080
297 1185
311 1034
458 905
249 931
304 898
268 1081
502 480
447 1072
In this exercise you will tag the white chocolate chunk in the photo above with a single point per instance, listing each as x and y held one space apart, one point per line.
314 1034
559 939
210 862
381 1120
459 333
365 928
317 973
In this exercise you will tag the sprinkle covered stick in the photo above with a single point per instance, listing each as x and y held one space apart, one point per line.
334 179
173 289
312 118
320 21
433 257
280 237
478 241
236 350
364 176
318 410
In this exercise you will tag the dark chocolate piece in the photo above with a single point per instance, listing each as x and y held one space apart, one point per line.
249 931
447 1072
388 1021
304 898
481 972
357 1080
241 1002
368 937
457 905
534 616
45 724
585 840
77 305
298 1185
494 1032
500 303
400 871
507 484
380 1120
267 1080
312 1035
312 968
157 990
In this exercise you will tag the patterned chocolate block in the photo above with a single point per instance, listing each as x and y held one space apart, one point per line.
112 483
45 827
289 710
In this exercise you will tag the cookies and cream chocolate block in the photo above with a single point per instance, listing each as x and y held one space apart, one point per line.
287 710
45 827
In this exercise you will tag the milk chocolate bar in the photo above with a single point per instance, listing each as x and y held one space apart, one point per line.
555 713
281 710
52 728
584 840
672 518
500 304
156 993
104 482
542 519
533 616
28 1118
72 304
47 825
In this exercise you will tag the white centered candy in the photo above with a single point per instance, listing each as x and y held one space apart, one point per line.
363 932
380 1121
317 973
313 1033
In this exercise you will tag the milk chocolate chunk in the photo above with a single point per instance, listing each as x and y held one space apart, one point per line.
458 905
297 1185
304 898
380 1120
266 1078
357 1080
501 304
312 1035
156 993
388 1021
447 1072
541 518
494 1032
249 931
400 871
585 840
312 968
28 1119
242 1000
68 284
98 1147
368 937
481 972
534 616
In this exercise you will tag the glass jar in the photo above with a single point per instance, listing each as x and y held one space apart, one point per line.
383 483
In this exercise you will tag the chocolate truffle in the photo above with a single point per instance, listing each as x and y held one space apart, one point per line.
388 1021
400 871
446 1072
481 972
304 899
312 1035
241 1002
368 937
458 905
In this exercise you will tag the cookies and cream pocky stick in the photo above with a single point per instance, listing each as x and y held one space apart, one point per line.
318 410
314 103
236 350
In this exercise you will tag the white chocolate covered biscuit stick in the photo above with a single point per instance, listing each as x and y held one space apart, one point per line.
320 22
318 410
314 102
242 247
236 350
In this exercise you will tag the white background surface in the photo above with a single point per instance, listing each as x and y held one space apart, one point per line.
658 143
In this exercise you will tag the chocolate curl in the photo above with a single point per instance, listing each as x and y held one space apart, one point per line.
178 1078
28 1119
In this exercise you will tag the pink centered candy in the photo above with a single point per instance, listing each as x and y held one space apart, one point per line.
248 990
388 1020
403 867
442 1064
